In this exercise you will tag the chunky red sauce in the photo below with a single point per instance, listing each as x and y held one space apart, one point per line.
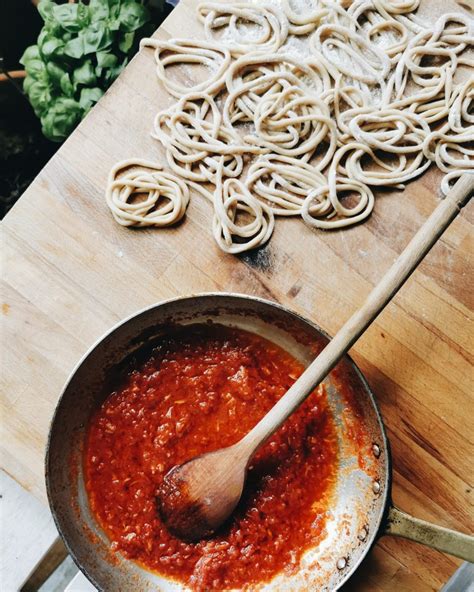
195 392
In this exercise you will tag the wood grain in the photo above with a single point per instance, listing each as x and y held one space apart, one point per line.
70 272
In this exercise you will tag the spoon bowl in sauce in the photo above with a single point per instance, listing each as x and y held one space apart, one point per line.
191 510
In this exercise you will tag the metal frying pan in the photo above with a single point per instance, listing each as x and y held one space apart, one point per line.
361 510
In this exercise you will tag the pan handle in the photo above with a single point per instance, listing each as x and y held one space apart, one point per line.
401 524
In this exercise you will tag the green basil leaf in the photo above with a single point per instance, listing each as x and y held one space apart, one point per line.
106 59
132 15
30 53
45 8
75 48
62 117
52 47
66 15
66 85
55 73
71 17
107 39
114 8
126 43
97 37
99 10
83 14
89 97
84 74
50 44
51 25
36 69
113 73
114 24
27 84
28 81
92 37
43 37
40 96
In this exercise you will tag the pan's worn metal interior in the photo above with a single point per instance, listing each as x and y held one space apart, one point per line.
361 495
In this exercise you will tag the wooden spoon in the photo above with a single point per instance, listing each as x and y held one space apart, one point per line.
198 496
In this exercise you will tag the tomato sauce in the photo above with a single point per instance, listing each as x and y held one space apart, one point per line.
196 391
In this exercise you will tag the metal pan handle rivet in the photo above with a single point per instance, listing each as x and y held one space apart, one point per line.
362 534
376 450
376 487
341 563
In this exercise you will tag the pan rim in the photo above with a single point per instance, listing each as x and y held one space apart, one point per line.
387 477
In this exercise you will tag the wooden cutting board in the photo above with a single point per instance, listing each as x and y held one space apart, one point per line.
70 273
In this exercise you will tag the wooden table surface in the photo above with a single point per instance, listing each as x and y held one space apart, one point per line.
70 273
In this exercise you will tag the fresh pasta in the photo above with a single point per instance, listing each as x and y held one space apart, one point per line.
150 180
268 34
301 109
189 51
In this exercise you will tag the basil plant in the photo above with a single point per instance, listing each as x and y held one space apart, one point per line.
80 51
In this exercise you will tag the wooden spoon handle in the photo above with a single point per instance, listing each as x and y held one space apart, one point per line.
380 296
